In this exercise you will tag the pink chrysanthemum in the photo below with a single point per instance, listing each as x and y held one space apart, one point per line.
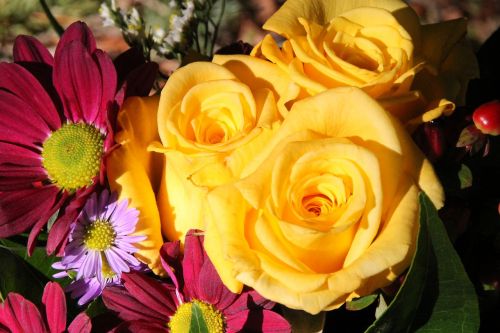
55 131
18 315
147 305
101 246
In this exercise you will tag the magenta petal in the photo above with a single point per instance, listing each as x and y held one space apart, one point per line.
17 312
212 290
127 61
20 210
55 307
194 257
78 82
77 31
249 299
139 326
108 76
23 84
169 255
81 324
20 124
58 235
27 48
150 292
257 321
129 307
20 168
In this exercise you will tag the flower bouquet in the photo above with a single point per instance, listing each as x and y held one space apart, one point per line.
341 175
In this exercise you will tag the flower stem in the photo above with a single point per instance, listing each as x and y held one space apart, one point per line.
53 22
216 28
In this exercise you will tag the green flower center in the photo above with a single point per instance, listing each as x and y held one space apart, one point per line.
72 155
180 322
99 236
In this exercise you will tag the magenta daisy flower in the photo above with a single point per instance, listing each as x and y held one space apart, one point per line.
18 315
55 131
100 246
149 305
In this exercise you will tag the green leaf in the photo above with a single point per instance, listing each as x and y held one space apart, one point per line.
198 324
38 260
96 308
455 307
465 177
361 302
16 275
437 295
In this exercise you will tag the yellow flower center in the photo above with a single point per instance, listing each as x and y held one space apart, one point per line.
72 155
99 236
180 322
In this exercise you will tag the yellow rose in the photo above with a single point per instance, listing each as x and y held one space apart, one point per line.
376 45
213 121
135 173
332 212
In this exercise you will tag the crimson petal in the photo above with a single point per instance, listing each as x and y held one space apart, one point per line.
194 257
109 82
249 299
212 290
21 209
129 307
151 293
23 84
27 48
20 124
81 324
127 61
58 235
139 326
20 167
78 82
17 312
55 307
77 31
257 321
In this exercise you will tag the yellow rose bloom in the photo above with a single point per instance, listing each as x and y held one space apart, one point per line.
213 121
331 213
376 45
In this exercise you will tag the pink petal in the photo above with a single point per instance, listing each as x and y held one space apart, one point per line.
140 326
16 312
149 292
55 307
211 288
23 84
81 324
27 48
194 257
78 82
257 321
21 209
35 230
20 124
58 235
129 307
77 31
108 77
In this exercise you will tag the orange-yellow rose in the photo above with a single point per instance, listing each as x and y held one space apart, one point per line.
376 45
135 173
331 213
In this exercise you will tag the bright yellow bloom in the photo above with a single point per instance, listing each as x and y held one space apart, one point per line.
416 71
332 212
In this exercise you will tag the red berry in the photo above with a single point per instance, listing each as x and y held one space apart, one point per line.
487 118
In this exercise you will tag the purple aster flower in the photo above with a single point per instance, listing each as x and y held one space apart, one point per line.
100 246
55 131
